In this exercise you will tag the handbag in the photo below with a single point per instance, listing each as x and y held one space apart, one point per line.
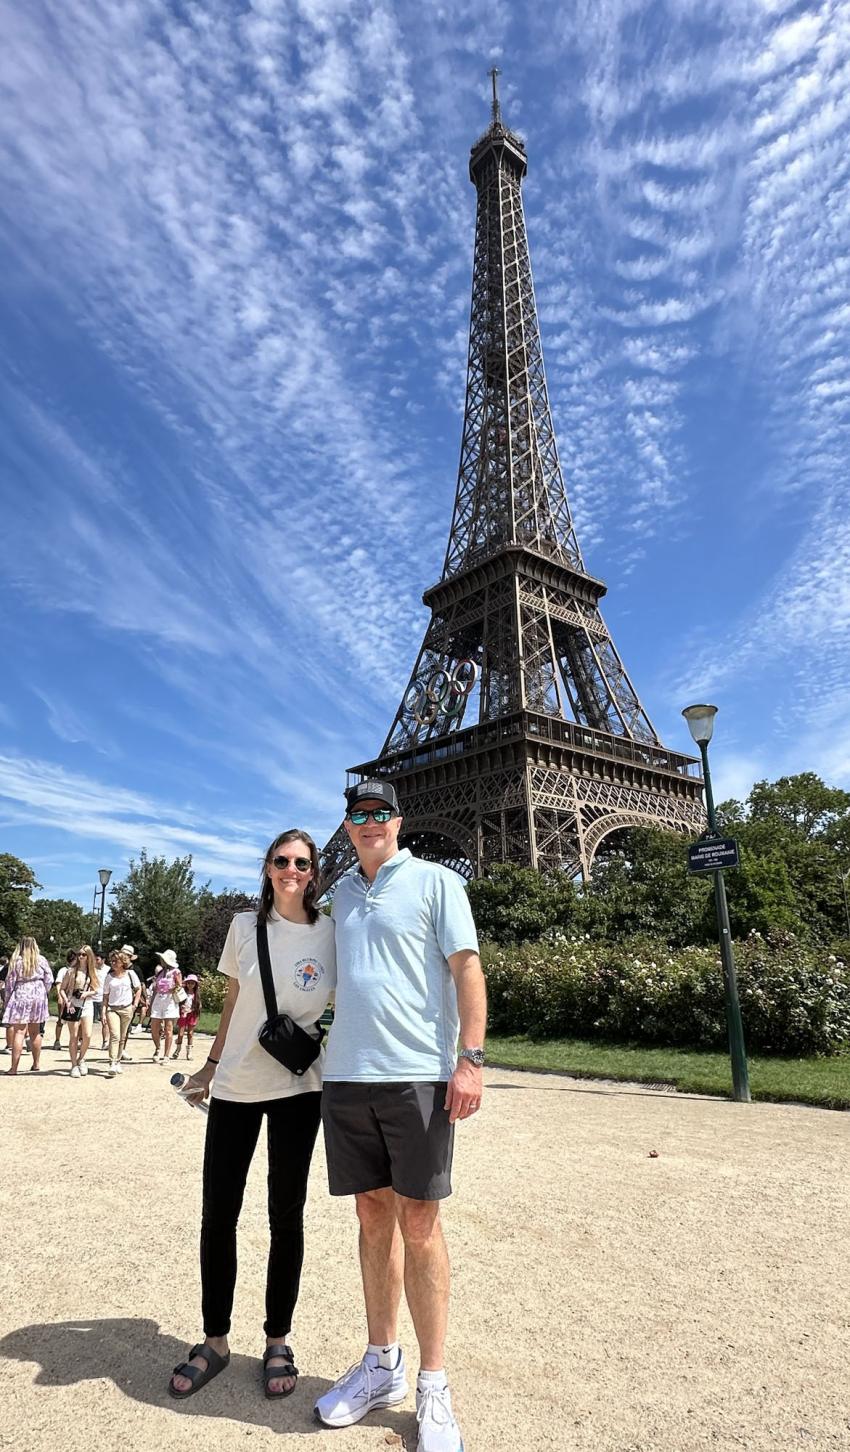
280 1036
72 1013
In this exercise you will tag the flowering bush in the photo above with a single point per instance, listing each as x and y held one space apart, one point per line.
213 989
795 999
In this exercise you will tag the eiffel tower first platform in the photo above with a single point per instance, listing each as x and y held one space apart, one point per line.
520 737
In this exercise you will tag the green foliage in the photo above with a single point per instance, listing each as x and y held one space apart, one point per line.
215 912
512 904
645 887
156 907
17 882
804 825
59 924
213 989
795 999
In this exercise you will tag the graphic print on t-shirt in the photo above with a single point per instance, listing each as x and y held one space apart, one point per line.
308 974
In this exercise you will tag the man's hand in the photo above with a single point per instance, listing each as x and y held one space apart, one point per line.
465 1091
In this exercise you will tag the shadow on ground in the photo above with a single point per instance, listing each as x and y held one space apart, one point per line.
136 1356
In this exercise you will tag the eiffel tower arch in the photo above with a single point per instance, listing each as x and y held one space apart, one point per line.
520 737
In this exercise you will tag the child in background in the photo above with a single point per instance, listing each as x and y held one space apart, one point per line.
189 1014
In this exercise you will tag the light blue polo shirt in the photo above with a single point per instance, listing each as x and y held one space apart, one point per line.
396 1015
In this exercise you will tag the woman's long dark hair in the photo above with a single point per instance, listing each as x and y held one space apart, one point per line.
266 888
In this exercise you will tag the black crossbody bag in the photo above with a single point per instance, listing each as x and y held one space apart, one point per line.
285 1040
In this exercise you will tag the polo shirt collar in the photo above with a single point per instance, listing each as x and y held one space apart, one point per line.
387 868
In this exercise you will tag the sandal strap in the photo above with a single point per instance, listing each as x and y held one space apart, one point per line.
275 1373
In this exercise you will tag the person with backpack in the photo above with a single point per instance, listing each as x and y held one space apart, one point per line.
122 990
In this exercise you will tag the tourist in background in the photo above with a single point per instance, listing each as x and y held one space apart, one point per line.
98 1010
165 1007
122 990
249 1085
28 982
190 1012
70 961
79 986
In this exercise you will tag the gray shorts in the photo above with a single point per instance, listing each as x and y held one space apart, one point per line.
379 1136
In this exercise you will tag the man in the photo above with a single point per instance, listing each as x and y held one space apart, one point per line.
99 1012
408 980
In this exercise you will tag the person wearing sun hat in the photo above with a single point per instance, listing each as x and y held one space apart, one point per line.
190 1011
165 1007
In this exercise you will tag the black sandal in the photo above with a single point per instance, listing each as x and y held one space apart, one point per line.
276 1373
198 1375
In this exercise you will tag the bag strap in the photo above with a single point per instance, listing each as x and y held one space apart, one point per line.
266 970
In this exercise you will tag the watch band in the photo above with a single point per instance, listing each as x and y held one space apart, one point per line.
475 1056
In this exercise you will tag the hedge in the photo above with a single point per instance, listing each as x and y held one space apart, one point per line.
795 999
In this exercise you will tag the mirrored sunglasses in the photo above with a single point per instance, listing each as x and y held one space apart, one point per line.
360 816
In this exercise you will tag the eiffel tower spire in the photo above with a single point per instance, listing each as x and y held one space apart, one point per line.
520 736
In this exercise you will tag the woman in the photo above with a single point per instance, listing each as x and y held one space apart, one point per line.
28 982
165 1008
247 1083
122 989
76 994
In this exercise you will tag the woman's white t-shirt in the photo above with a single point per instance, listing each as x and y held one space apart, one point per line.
119 988
303 959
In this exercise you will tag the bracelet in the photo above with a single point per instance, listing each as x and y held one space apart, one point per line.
212 1061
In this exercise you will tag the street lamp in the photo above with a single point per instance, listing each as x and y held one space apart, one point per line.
700 721
104 873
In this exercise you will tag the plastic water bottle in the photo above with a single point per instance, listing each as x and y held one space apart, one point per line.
177 1082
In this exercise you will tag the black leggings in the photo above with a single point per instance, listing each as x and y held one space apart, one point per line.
232 1134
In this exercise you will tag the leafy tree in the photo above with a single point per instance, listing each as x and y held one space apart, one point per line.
640 885
803 824
17 882
516 904
214 915
156 907
59 924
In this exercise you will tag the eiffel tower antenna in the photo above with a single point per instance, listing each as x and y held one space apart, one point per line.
497 110
520 737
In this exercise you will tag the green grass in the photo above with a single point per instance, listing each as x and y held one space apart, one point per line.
822 1082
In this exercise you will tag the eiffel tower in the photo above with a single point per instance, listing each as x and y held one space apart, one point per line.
520 737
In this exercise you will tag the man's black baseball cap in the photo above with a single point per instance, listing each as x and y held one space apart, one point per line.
373 790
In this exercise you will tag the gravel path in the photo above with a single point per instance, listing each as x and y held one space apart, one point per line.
605 1300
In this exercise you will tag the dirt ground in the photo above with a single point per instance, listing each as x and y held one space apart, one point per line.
603 1298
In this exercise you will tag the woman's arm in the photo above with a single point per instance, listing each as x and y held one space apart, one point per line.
198 1087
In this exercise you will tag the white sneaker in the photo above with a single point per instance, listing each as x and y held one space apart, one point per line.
126 1059
110 1070
364 1386
116 1067
84 1068
75 1073
438 1430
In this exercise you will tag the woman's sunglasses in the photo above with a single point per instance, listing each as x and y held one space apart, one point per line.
360 817
301 864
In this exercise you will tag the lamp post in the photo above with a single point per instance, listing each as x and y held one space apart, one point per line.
700 721
104 873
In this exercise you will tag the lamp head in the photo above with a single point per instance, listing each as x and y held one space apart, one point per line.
104 873
700 721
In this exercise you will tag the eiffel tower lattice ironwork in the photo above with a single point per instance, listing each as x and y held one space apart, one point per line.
520 737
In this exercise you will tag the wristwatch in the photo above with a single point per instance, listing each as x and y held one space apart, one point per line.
475 1056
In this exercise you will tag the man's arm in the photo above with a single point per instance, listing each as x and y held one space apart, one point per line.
466 1084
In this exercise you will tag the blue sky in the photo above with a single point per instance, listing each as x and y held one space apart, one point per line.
236 244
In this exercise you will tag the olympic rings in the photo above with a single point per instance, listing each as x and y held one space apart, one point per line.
443 692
